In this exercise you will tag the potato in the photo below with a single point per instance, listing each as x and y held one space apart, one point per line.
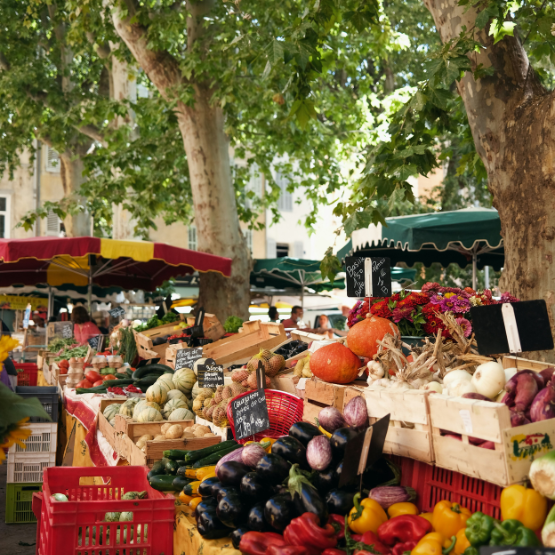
187 435
146 437
190 429
204 429
160 437
199 433
174 432
165 427
141 443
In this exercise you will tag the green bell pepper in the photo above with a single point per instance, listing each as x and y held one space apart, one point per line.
479 528
512 532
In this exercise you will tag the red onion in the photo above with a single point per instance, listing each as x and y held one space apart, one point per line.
331 419
488 445
476 396
251 454
233 456
522 389
543 406
356 412
518 418
547 373
318 453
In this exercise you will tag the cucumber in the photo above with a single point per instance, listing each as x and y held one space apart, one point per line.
151 369
120 376
214 457
146 381
98 389
162 482
193 456
117 383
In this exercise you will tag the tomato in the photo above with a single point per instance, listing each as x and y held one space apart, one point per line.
109 377
93 376
63 364
99 382
63 369
84 384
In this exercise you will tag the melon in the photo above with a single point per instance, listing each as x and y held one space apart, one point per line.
149 415
181 414
144 404
172 405
128 407
164 385
168 378
195 391
363 336
157 393
335 363
184 380
176 394
111 410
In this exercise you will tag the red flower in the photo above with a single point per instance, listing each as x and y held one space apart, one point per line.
431 327
419 298
470 291
431 287
402 312
381 309
431 309
407 302
395 297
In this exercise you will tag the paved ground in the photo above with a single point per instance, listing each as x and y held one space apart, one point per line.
11 535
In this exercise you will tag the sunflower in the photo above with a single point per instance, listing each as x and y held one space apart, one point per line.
14 433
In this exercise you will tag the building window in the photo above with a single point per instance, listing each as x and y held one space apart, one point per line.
285 201
248 237
4 217
53 224
282 250
52 160
192 236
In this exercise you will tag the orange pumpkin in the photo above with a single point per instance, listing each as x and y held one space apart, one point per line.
362 336
335 363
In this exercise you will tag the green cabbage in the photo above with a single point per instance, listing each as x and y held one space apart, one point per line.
232 324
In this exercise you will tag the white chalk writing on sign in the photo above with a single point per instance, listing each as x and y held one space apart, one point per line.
250 414
356 272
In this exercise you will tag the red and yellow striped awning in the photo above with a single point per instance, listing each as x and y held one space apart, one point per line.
105 262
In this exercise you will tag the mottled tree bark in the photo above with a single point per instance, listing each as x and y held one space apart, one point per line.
512 119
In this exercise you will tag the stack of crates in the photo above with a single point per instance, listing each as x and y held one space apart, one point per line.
25 466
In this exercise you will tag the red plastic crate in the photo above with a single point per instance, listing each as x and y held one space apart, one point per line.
434 484
27 373
77 527
284 410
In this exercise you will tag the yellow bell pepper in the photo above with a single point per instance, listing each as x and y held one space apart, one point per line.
462 542
433 543
448 518
186 499
366 515
404 508
194 502
525 505
269 440
428 517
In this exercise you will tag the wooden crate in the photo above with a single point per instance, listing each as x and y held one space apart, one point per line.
154 450
105 428
239 348
126 425
170 353
211 326
145 347
515 448
410 428
222 431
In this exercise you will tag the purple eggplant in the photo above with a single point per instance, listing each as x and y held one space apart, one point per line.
543 406
331 419
521 390
356 412
318 453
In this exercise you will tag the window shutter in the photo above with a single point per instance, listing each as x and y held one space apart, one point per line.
52 224
52 160
192 237
285 201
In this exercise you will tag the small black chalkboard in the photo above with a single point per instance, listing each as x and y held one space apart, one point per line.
250 412
96 342
533 329
186 358
363 451
117 312
210 374
368 277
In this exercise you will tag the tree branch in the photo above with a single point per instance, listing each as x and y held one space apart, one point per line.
93 133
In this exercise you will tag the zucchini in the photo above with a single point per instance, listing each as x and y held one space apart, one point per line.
191 488
117 383
179 483
162 482
123 376
193 456
186 472
175 454
98 389
180 462
147 381
158 468
171 467
214 457
151 369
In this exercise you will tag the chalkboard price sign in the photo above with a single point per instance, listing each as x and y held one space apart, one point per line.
117 312
368 277
250 411
96 342
186 358
67 330
210 374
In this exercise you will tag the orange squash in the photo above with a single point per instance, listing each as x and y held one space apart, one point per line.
335 363
362 337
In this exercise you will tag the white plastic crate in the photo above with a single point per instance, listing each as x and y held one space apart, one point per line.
43 439
28 467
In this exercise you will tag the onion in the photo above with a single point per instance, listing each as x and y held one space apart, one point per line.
489 379
356 412
521 390
476 396
509 373
331 419
488 445
233 456
251 454
433 386
457 388
547 373
543 405
518 418
124 323
455 375
318 453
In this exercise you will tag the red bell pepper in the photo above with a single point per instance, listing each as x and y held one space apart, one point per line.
286 550
306 531
401 548
403 528
371 540
338 523
334 551
256 543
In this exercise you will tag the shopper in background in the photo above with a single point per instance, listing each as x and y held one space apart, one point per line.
83 328
273 314
295 319
8 373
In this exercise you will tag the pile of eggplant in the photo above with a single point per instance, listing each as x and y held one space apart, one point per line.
260 491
